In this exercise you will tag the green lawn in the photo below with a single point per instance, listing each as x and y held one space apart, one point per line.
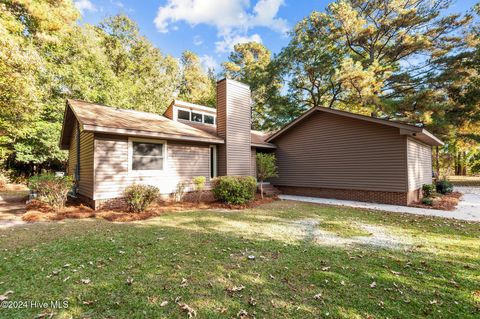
465 180
310 262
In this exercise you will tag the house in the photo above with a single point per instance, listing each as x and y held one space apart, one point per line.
324 152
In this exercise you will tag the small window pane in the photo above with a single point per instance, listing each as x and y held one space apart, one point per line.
208 119
196 117
147 149
183 115
147 163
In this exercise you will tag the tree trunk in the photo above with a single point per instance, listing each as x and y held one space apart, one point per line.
261 188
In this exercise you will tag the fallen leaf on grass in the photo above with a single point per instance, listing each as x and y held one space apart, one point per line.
164 303
129 281
373 285
85 281
5 295
252 301
325 268
184 283
45 315
242 314
317 296
235 289
189 310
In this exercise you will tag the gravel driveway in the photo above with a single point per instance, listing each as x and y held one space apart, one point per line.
468 208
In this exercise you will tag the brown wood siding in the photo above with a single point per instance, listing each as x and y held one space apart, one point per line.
85 183
332 151
234 124
184 161
221 127
169 112
72 152
419 164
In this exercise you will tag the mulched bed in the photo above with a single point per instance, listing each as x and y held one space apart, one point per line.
442 202
39 211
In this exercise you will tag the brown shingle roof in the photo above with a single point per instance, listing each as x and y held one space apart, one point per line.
105 119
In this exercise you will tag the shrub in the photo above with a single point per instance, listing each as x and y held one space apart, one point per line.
444 187
236 190
427 201
179 191
199 184
428 190
51 189
138 197
266 168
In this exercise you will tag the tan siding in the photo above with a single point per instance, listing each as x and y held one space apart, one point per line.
331 151
184 161
234 124
72 152
253 165
85 184
419 164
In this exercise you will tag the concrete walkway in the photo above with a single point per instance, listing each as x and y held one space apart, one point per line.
468 208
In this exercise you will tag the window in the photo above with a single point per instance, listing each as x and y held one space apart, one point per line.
208 119
213 161
147 156
196 117
183 115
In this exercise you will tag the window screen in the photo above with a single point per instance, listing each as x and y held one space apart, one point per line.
208 119
147 156
183 115
196 117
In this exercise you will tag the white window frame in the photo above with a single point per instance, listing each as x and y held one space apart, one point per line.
190 116
146 172
214 149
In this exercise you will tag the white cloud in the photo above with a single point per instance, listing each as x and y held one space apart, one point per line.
84 5
229 41
197 40
208 62
232 18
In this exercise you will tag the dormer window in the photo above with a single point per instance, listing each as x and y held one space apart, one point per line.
195 116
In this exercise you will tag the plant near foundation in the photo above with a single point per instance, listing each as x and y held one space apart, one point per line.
179 191
427 201
428 190
51 189
235 190
266 168
3 181
138 197
444 187
199 185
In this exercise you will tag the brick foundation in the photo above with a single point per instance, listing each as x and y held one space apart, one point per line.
394 198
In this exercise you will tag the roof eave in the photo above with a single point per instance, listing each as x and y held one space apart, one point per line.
119 131
269 145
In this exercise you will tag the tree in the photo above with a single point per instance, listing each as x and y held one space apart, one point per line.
250 63
266 168
195 85
371 53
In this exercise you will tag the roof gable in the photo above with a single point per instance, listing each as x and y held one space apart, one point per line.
404 129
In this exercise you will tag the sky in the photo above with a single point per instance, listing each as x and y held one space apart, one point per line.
210 28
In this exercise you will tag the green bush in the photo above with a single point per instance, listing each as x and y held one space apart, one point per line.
427 201
444 187
138 197
199 184
428 190
236 190
51 189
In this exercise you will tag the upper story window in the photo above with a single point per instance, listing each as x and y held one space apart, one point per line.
195 116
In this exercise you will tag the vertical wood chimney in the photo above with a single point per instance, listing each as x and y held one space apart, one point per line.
233 125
